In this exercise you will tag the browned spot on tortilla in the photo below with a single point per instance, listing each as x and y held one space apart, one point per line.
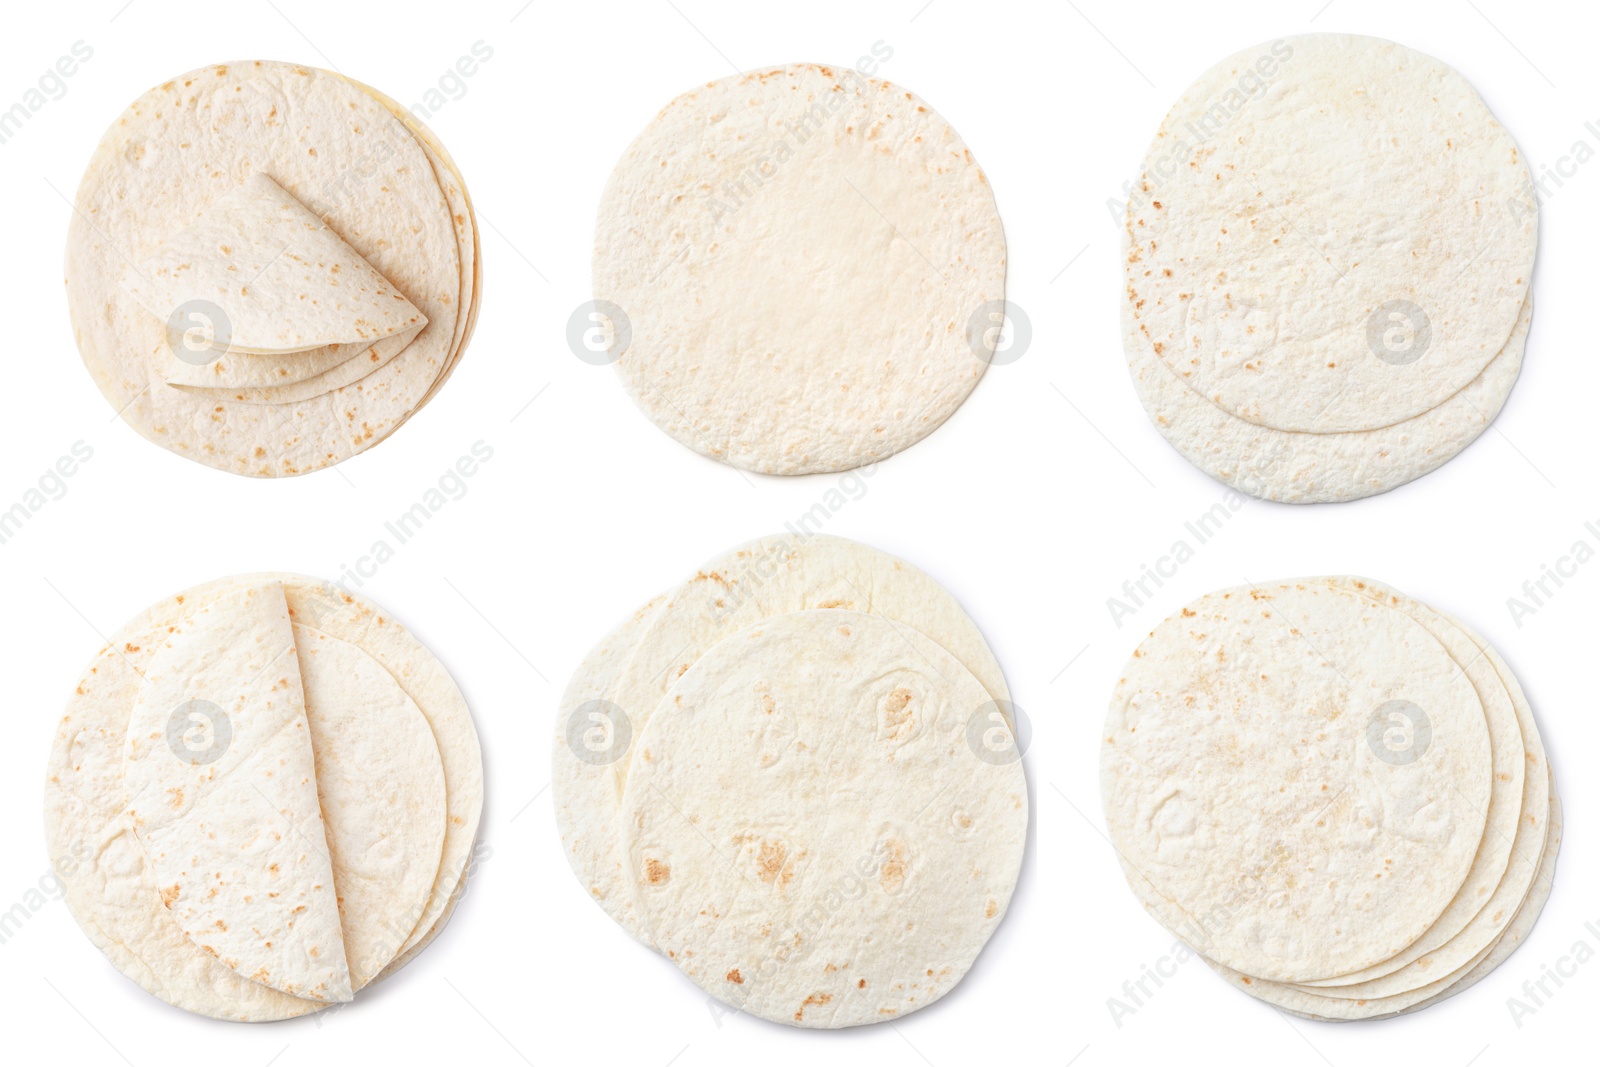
815 998
897 711
772 863
714 576
656 872
892 872
735 977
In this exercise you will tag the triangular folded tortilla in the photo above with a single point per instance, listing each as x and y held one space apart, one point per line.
260 274
222 795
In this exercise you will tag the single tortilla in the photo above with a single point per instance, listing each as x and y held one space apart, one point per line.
807 259
811 836
759 580
1299 192
224 800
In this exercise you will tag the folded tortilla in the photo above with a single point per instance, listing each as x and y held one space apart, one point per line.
281 279
222 794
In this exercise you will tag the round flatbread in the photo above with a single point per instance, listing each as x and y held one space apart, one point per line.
808 265
1332 233
811 833
759 580
1259 796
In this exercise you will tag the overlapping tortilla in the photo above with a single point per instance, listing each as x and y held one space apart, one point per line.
1296 191
110 886
1310 468
589 830
381 785
1251 807
1508 880
336 149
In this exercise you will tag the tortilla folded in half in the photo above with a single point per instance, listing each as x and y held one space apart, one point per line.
222 792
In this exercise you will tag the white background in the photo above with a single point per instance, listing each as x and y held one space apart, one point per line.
1032 504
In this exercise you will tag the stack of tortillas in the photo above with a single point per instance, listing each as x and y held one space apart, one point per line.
263 796
1337 795
795 775
270 267
799 269
1328 258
